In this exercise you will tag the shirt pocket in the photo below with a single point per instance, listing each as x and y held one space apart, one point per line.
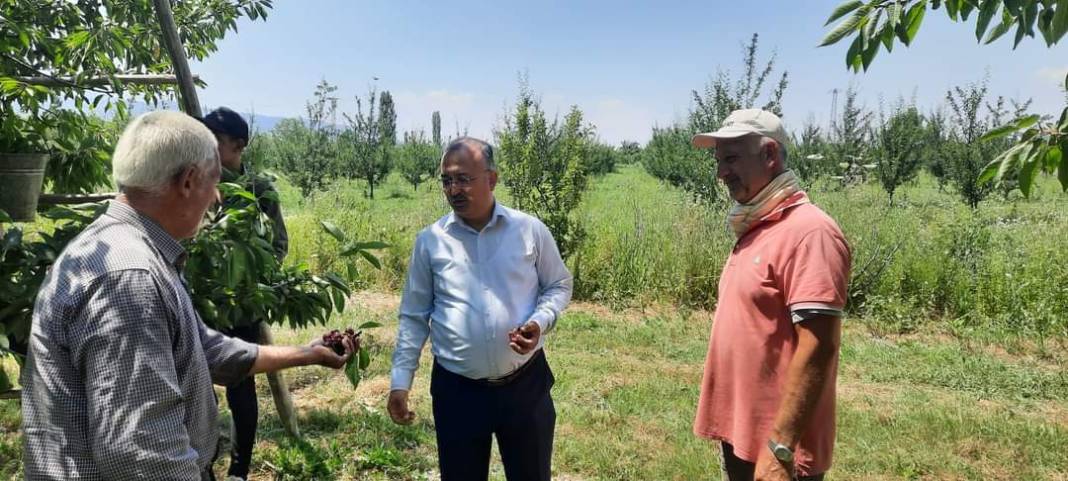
517 263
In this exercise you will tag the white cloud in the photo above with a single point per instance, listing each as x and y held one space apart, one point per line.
460 111
1054 75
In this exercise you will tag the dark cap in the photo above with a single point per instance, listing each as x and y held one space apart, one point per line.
225 121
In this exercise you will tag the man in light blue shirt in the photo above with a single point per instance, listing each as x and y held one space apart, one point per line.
485 283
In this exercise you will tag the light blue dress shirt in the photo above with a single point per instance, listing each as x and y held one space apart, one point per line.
466 289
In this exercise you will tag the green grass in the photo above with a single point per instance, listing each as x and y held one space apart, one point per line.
916 407
952 362
998 272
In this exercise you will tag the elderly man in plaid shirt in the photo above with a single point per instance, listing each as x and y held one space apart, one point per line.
118 381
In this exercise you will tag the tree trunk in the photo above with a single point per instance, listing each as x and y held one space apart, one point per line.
283 402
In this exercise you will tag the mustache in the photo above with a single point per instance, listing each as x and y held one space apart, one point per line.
457 198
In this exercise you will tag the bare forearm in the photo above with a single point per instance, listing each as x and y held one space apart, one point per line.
275 358
806 378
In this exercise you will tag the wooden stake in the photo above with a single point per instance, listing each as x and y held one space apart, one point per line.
283 402
173 43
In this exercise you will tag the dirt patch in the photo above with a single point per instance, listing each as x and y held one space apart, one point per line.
375 301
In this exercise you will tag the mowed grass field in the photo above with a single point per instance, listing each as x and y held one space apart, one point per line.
953 363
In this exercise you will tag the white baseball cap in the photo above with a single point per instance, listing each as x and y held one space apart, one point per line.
741 123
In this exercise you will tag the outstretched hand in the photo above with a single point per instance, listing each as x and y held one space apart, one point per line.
325 356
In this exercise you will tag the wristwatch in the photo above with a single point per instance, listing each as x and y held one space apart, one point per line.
781 452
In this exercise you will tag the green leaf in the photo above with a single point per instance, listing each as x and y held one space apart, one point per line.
352 371
1013 6
238 265
4 217
986 13
842 10
846 27
368 325
853 54
952 7
339 299
1006 24
1029 167
1021 31
5 383
365 358
1059 25
336 281
333 230
966 7
371 258
76 39
1054 155
1045 20
1013 126
888 37
894 14
869 54
1000 165
914 19
371 245
1062 171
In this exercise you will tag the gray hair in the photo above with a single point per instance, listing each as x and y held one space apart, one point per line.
157 146
480 145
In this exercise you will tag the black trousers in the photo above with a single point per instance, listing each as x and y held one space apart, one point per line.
467 413
241 397
741 470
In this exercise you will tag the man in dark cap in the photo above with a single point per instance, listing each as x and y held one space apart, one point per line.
232 132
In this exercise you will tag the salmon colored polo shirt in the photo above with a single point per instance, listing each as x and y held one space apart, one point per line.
796 257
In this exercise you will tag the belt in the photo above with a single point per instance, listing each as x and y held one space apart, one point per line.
512 376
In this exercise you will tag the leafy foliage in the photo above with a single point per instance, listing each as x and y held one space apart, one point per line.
965 152
307 153
545 167
417 159
235 278
371 136
1039 145
852 135
898 144
810 159
669 157
82 42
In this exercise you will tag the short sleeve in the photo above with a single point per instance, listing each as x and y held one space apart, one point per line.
818 270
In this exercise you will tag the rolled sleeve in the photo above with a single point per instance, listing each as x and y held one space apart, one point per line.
554 280
417 303
135 410
229 359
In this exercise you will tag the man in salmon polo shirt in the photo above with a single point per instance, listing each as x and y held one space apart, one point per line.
768 392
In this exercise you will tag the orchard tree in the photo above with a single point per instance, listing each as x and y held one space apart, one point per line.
435 128
545 166
417 159
307 150
368 140
1039 144
897 149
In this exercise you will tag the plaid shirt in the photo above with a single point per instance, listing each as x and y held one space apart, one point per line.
118 381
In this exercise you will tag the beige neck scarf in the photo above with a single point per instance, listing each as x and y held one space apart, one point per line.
783 187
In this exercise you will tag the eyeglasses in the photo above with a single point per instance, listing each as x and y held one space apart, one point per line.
461 181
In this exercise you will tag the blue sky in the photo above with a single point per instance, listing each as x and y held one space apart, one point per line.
628 65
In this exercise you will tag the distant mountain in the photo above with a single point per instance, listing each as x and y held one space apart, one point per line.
262 123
